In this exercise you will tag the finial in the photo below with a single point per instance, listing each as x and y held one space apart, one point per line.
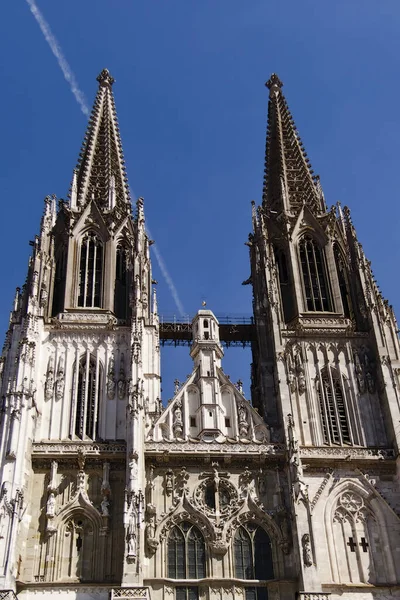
204 303
105 78
274 81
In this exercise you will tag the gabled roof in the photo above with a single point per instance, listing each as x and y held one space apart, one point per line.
288 174
100 172
256 430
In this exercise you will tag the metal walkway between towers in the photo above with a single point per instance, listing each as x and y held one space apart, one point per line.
233 330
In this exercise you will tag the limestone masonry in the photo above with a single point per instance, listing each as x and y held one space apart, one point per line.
106 493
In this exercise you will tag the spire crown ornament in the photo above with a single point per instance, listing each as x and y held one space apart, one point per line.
105 78
274 82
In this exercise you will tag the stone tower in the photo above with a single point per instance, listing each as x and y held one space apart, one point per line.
106 493
325 374
80 372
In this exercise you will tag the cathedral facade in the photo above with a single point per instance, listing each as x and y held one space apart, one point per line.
106 493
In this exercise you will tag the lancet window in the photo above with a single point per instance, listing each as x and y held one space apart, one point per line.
186 558
86 399
121 302
344 287
253 558
59 280
333 408
315 281
284 283
90 271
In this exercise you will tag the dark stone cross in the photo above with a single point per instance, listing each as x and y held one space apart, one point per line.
351 543
364 544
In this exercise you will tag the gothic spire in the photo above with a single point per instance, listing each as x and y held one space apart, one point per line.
289 179
100 172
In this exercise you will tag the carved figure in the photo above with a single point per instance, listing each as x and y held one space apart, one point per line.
111 383
301 382
307 554
243 423
359 373
169 482
105 507
121 381
49 386
133 474
292 380
131 539
60 379
51 505
150 532
177 425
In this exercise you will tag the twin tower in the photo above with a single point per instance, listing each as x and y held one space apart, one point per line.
107 493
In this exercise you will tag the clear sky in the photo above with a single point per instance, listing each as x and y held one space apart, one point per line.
192 109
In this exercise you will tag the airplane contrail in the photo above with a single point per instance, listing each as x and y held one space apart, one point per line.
167 277
62 61
81 100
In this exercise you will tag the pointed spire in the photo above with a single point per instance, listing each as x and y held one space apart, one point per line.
286 164
100 172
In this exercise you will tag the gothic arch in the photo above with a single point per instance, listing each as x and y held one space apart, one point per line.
87 385
185 511
279 543
357 535
90 268
337 421
315 281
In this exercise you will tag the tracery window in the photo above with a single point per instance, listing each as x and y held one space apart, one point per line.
253 558
78 547
86 399
356 539
344 287
186 558
316 288
90 271
333 411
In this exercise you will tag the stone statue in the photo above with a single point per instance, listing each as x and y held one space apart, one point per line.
60 379
243 422
131 539
51 505
301 382
307 555
105 507
111 383
292 380
121 386
177 425
133 473
49 386
169 482
359 373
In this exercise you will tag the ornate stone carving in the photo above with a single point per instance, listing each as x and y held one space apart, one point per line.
49 385
177 425
111 383
181 482
122 379
324 452
243 419
60 381
169 482
307 554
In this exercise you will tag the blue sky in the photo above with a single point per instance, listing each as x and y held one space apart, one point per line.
192 109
